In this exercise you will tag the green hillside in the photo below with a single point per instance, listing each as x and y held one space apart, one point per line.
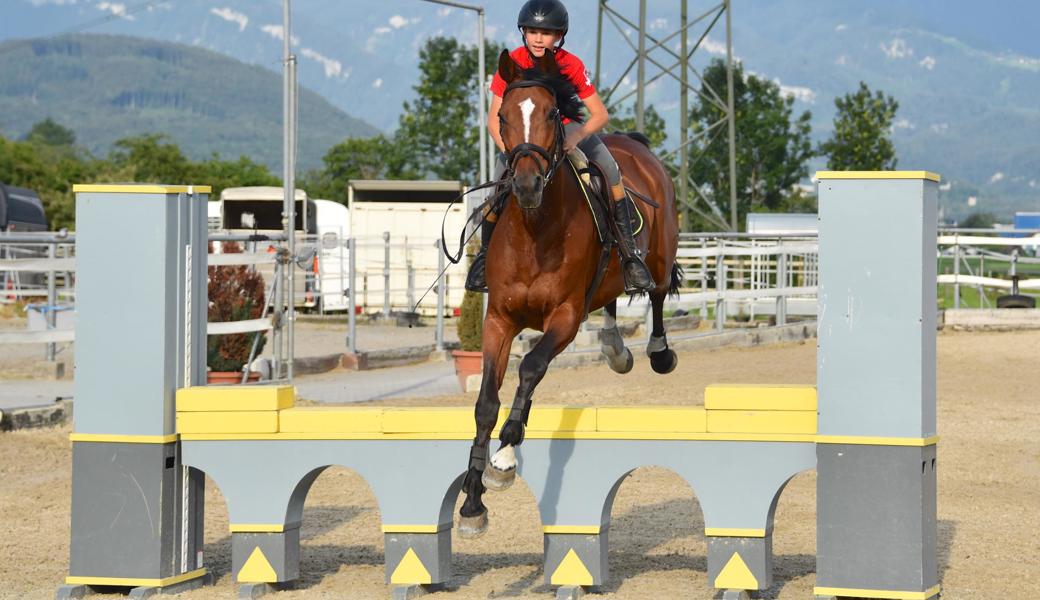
107 87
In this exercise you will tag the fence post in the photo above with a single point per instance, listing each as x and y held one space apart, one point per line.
956 272
352 295
441 281
781 284
52 300
720 286
704 278
411 285
386 275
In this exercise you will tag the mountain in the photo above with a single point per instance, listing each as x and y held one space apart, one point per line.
965 74
106 87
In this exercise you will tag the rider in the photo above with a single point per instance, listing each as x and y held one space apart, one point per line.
543 24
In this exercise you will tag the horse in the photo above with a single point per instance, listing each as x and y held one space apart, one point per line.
543 263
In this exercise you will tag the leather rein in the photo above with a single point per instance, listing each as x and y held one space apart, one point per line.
553 156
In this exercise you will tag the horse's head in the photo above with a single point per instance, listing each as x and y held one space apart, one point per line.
531 126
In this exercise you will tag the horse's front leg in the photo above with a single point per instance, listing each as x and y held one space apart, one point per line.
497 338
560 329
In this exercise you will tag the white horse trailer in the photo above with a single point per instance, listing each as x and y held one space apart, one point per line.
332 264
397 228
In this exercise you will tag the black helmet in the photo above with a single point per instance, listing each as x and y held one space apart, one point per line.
544 14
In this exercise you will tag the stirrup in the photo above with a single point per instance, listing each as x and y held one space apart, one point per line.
476 279
644 282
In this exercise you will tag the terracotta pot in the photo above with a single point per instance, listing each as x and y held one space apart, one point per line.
230 377
466 364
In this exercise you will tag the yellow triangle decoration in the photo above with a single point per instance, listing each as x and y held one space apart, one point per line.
411 570
736 576
257 569
571 571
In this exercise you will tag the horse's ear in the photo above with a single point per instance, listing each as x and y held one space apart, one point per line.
547 63
507 68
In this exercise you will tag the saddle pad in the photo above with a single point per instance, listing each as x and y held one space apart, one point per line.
599 217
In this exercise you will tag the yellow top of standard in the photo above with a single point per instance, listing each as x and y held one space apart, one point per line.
140 188
877 175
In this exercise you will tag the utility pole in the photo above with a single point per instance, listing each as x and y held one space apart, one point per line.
288 291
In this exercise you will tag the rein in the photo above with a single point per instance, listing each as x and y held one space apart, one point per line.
555 155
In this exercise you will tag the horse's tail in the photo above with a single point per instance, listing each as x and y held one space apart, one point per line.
676 282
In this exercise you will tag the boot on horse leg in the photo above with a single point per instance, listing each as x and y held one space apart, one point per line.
633 266
476 279
500 472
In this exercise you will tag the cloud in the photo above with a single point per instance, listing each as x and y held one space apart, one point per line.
659 23
841 27
712 47
927 62
116 8
378 83
382 30
397 21
904 124
841 60
333 68
230 15
803 94
441 12
897 48
940 127
278 33
999 175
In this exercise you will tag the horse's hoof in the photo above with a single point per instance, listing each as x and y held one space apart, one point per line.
620 363
473 527
496 479
664 361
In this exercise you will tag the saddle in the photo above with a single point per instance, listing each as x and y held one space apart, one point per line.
592 180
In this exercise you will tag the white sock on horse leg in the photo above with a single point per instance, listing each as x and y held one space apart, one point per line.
504 459
608 321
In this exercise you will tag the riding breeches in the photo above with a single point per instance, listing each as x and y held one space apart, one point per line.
592 146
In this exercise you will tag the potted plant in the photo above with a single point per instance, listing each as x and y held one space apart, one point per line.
469 358
236 293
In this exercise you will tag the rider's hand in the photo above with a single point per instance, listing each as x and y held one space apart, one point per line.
572 140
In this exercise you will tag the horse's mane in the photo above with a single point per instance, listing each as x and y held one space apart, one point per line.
566 94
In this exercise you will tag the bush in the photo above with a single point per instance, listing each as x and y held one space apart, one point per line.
471 315
236 293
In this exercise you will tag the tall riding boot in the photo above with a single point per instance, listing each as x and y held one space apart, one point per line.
476 280
633 266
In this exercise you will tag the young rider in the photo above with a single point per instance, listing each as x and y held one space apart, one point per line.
543 24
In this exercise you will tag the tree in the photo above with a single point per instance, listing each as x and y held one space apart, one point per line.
862 126
152 158
979 220
439 128
49 133
653 125
378 157
772 146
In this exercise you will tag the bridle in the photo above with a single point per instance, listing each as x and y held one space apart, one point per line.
553 156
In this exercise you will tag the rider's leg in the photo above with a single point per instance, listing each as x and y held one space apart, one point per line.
633 266
476 279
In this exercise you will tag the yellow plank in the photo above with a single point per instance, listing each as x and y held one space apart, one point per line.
759 397
877 440
228 422
134 582
771 421
885 594
562 418
646 419
256 527
429 420
573 529
222 398
734 532
808 438
330 419
821 175
137 188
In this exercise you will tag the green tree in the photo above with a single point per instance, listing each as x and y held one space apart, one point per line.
377 157
653 125
221 174
862 126
152 158
979 220
49 133
439 128
772 146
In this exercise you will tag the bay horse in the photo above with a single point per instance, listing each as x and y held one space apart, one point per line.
544 259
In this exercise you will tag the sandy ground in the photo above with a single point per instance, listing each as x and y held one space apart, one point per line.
989 494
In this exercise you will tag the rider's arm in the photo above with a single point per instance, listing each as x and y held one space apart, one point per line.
596 120
493 124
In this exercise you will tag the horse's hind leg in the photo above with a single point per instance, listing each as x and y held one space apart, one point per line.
560 329
498 335
611 345
662 358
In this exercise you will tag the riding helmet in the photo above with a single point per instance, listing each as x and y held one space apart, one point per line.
544 14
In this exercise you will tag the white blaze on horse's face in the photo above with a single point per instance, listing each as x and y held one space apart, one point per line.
527 108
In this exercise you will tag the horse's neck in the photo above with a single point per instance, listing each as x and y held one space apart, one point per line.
559 204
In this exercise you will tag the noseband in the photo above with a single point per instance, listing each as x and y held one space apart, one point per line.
553 156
